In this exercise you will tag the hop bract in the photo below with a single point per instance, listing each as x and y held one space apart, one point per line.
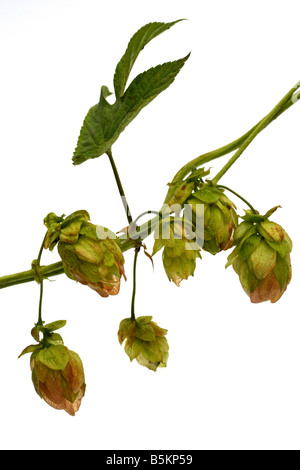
219 217
98 263
145 341
180 249
262 258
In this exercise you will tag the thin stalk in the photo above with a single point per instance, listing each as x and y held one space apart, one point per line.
262 125
120 187
40 320
222 151
41 250
41 280
240 197
137 250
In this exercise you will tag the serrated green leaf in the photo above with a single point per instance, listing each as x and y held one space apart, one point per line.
105 122
105 91
137 43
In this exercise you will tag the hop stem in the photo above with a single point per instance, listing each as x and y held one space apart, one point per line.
120 186
41 281
40 320
288 98
236 144
240 197
137 250
29 276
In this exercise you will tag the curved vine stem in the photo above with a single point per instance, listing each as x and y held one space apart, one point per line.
240 197
234 145
260 126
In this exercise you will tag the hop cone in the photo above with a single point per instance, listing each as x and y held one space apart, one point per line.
97 263
180 250
57 372
220 218
262 258
145 342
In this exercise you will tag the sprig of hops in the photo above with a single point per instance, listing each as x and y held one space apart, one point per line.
145 341
88 259
261 258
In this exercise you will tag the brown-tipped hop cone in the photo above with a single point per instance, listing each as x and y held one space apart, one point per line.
262 259
88 259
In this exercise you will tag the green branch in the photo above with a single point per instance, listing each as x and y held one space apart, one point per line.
288 98
29 276
226 149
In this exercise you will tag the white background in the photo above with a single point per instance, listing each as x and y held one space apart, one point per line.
233 378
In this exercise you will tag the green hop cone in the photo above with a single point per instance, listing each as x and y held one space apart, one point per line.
220 218
88 259
145 341
180 250
57 372
261 258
